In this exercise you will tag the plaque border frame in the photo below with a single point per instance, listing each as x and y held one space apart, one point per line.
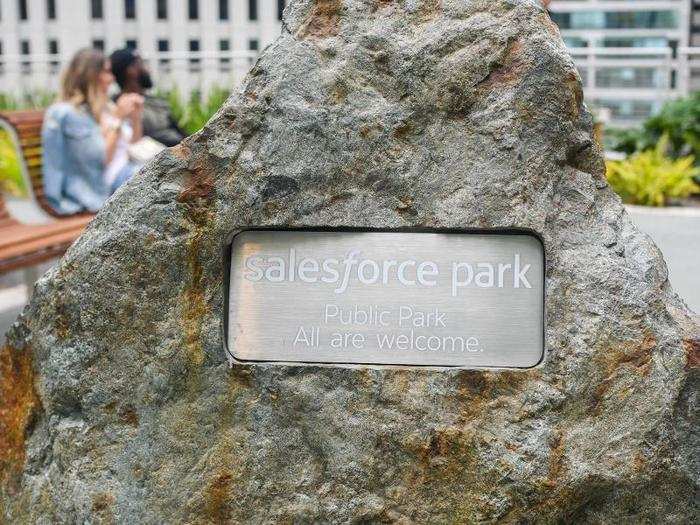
227 249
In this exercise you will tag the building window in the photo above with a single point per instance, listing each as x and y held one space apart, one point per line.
131 44
2 63
22 9
24 50
194 61
253 45
162 9
628 77
96 10
575 41
629 109
53 51
193 9
616 20
51 9
223 9
98 44
619 41
280 9
130 9
252 9
163 46
224 59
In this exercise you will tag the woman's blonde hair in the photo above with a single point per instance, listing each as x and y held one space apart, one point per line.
79 82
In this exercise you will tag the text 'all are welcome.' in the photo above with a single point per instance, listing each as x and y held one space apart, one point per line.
384 297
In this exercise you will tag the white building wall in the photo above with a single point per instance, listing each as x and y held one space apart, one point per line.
673 69
74 29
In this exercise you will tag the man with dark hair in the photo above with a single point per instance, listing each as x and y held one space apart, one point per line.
133 77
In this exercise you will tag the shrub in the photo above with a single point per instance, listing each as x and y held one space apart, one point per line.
625 140
651 177
680 121
32 100
10 175
193 114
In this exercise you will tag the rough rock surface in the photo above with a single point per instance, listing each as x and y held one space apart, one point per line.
117 404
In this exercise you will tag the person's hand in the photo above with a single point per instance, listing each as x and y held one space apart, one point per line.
138 105
129 105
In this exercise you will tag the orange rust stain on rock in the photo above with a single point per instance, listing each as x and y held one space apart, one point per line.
429 9
404 130
324 20
638 359
510 70
381 4
478 389
405 208
181 151
129 416
557 466
18 404
692 353
574 84
339 93
199 185
194 304
638 462
102 501
217 498
198 191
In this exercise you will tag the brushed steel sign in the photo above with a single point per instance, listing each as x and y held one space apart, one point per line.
386 298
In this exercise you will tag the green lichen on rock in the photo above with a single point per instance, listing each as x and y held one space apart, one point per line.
364 113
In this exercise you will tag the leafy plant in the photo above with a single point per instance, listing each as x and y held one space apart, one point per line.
625 140
651 177
192 114
680 121
31 100
11 180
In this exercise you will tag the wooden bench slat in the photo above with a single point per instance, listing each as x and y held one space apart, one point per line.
19 233
25 245
62 238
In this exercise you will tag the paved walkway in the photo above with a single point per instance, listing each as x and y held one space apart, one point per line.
676 231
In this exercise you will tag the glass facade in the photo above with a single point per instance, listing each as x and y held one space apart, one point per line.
616 20
628 77
629 53
619 41
629 109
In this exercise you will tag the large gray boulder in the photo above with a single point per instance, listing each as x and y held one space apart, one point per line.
117 402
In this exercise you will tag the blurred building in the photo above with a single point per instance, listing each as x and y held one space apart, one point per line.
188 43
632 55
694 49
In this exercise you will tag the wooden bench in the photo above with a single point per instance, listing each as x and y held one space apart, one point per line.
30 232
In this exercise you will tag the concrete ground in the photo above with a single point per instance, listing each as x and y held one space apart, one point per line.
676 232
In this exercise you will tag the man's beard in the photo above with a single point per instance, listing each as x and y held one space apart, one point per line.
145 80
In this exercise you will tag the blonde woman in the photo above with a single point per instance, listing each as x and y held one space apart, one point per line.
85 137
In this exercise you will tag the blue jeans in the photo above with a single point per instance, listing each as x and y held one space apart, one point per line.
124 175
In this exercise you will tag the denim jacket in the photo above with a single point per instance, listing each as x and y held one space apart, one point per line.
74 160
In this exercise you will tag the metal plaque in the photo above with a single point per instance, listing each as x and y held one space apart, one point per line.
386 298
